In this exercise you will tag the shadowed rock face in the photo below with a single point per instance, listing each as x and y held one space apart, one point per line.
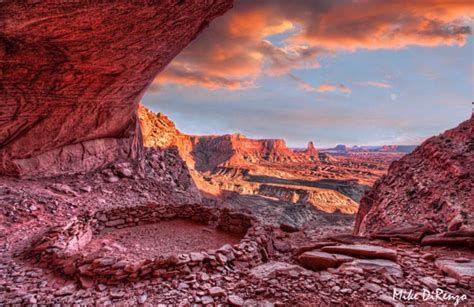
209 152
72 75
431 186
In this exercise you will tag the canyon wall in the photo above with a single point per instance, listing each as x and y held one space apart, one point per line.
73 73
220 163
432 186
238 150
210 152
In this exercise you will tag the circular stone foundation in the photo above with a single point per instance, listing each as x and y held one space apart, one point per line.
163 239
153 241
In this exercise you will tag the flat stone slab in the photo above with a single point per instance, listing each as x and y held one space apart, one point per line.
373 265
364 250
408 232
448 240
316 260
273 268
460 270
312 246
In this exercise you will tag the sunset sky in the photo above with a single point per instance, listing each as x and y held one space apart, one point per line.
366 72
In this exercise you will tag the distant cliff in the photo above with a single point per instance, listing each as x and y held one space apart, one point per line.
207 153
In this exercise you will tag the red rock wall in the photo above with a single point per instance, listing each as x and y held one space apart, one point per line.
238 150
207 153
157 129
432 186
72 74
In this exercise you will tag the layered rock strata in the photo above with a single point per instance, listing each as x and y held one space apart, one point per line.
73 73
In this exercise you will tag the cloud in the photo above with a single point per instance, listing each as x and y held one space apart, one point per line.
334 87
380 84
274 37
380 24
188 77
322 88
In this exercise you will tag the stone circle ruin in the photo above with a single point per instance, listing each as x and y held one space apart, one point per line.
62 247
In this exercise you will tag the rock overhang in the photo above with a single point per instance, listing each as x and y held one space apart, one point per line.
70 91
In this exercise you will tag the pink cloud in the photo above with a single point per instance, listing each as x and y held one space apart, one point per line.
236 49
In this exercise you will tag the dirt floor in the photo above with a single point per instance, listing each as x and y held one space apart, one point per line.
162 239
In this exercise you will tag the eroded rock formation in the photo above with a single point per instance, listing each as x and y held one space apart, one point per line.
73 73
157 129
311 150
211 152
238 150
432 186
229 162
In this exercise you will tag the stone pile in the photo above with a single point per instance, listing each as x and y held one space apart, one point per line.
60 248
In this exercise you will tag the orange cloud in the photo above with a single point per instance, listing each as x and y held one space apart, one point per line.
379 24
375 84
174 75
238 47
322 88
325 87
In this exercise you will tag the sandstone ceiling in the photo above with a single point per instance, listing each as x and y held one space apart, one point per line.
72 74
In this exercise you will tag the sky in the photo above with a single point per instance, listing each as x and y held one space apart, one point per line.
355 72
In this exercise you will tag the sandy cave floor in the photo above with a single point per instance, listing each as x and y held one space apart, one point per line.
161 239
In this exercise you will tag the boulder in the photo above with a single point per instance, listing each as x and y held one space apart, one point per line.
454 238
364 250
216 291
316 260
460 270
235 300
406 231
273 268
311 246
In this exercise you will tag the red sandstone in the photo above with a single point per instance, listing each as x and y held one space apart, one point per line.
70 92
431 186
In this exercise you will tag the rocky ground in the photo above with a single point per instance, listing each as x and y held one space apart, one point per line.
70 125
302 272
308 257
316 264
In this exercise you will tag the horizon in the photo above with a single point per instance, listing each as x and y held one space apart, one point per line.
333 75
286 141
302 144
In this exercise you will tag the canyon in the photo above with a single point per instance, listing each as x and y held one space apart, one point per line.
105 202
227 166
